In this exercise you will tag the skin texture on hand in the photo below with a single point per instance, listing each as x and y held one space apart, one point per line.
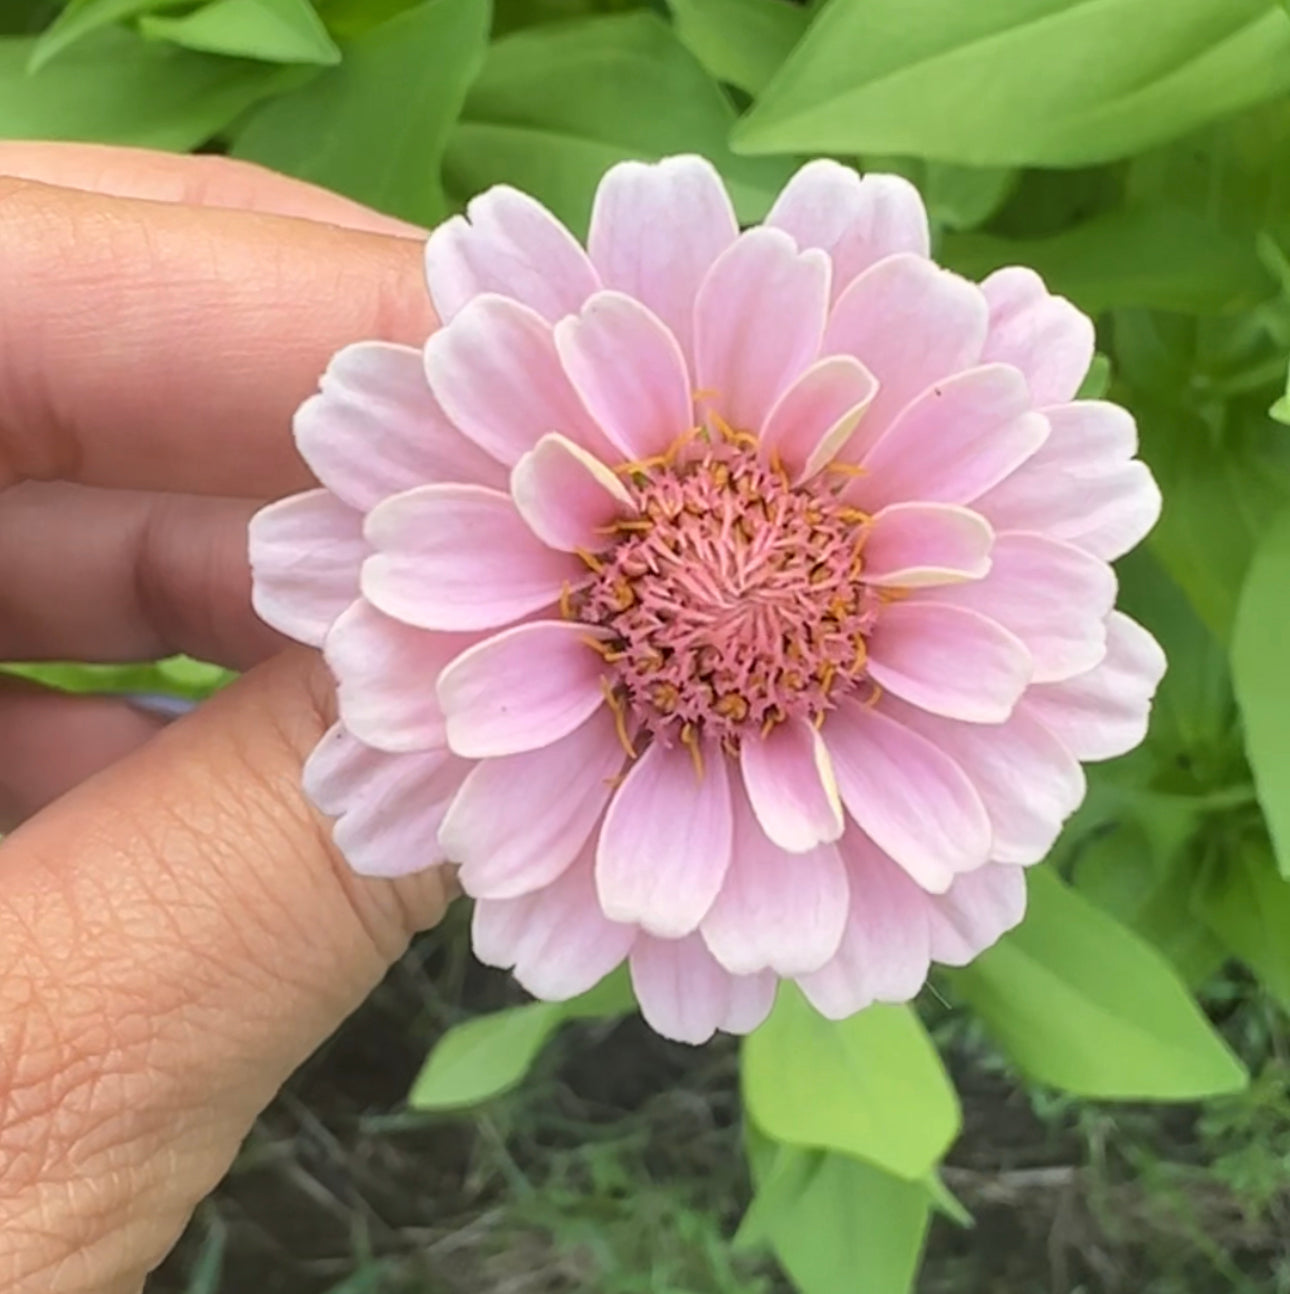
176 932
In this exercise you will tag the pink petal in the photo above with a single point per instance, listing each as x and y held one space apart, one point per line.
949 660
751 1000
1103 512
955 441
979 908
1027 779
459 557
520 820
630 373
569 498
790 783
910 545
776 911
1104 713
388 807
683 993
884 952
818 414
507 243
385 675
665 845
306 553
521 690
1044 336
495 372
909 797
911 324
857 221
556 939
655 232
1087 436
374 429
1051 595
758 320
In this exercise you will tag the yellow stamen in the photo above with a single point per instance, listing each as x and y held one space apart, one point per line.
614 702
591 561
847 469
566 601
626 525
690 740
856 515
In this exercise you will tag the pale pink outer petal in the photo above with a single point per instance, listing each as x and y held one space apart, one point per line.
683 992
520 820
388 807
630 373
1026 778
911 324
557 940
510 244
1105 712
907 795
956 440
1047 338
521 690
1054 596
789 779
817 415
1087 436
758 320
751 1000
374 429
306 553
385 675
665 846
884 952
459 557
949 660
916 545
776 911
857 221
495 372
978 910
568 497
655 231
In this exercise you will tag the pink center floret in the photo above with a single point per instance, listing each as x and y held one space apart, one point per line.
735 601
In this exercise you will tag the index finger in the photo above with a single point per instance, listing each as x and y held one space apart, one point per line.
163 347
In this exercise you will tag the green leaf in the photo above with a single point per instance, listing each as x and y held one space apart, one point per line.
1281 410
1017 82
1247 904
1080 1002
963 197
1262 681
80 18
113 87
178 676
871 1086
277 31
555 106
491 1054
741 42
1159 257
831 1218
375 127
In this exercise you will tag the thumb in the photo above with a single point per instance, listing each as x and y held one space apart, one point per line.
176 935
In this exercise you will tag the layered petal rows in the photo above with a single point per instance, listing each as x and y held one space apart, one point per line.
736 604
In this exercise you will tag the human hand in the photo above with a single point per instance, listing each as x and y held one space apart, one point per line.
176 932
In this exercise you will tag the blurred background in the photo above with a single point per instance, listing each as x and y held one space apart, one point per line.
1138 156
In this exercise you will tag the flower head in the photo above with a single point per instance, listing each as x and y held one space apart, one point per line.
737 604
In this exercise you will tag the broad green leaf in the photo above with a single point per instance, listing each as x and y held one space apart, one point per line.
113 87
346 19
830 1219
276 31
26 17
871 1086
178 676
555 106
1247 903
1017 82
741 42
963 197
374 128
1160 257
1259 641
1080 1002
82 17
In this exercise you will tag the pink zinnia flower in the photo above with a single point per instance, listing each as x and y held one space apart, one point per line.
737 604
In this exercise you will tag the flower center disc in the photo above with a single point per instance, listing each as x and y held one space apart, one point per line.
734 601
